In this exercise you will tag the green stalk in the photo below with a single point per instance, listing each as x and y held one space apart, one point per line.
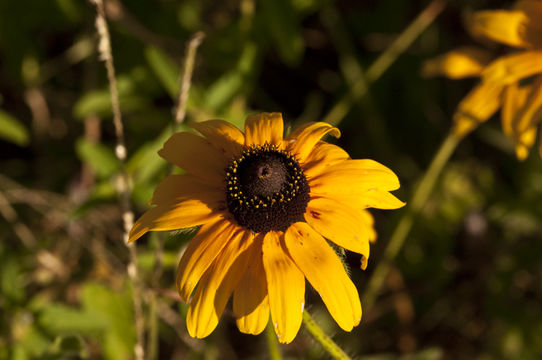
384 61
325 341
405 223
272 342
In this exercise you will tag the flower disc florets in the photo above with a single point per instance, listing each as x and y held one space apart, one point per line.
266 189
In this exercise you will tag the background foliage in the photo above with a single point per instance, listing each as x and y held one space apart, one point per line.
465 286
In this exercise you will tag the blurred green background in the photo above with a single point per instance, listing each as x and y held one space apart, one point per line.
466 284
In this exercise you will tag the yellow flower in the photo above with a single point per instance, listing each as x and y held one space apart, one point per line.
511 83
266 205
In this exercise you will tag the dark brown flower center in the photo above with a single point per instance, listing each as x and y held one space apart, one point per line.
266 189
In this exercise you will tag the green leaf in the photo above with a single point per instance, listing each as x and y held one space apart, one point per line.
12 287
116 308
165 70
59 319
98 102
69 346
12 130
283 27
231 83
145 163
98 156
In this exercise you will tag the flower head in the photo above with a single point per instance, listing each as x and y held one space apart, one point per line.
266 205
511 82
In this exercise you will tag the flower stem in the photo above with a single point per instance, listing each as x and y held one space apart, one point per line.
384 61
318 334
405 223
272 342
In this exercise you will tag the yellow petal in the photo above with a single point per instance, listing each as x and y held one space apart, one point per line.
457 64
532 32
325 272
353 178
322 156
478 106
339 223
499 25
302 141
514 97
512 68
201 252
216 286
173 217
222 135
524 142
530 114
180 187
181 149
250 303
286 288
264 128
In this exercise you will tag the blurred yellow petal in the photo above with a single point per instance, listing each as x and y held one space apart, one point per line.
339 223
325 272
524 142
264 128
301 143
500 26
222 135
286 288
514 98
250 302
201 252
477 107
217 285
457 64
174 216
530 114
180 150
512 68
532 32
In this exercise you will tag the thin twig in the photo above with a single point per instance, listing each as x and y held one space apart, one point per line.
180 114
186 80
21 230
385 60
419 198
123 185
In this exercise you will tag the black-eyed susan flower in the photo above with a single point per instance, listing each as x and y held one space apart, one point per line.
266 205
511 82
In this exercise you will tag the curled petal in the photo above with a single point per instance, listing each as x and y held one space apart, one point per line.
302 141
500 26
